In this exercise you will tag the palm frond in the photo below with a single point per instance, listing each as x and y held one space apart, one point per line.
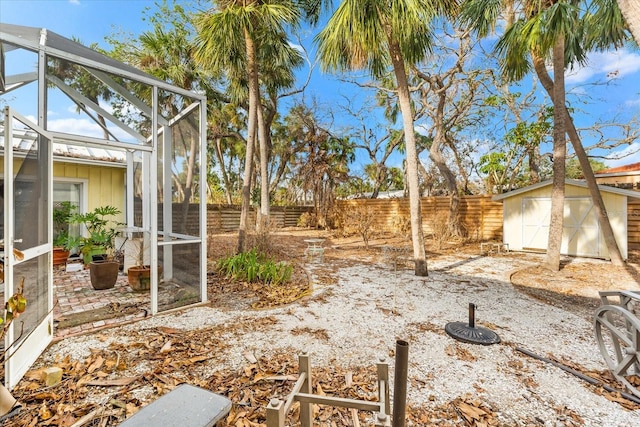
513 49
605 26
480 15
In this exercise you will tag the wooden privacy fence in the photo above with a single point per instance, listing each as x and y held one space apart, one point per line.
227 218
480 216
633 223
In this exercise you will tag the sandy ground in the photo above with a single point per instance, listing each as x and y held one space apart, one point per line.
361 305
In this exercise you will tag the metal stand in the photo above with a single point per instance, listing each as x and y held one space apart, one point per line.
469 332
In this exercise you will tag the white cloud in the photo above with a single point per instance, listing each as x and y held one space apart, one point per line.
74 1
614 64
84 127
632 103
628 155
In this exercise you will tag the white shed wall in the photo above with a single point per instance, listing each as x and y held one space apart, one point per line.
513 221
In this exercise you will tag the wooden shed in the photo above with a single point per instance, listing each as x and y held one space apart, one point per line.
527 216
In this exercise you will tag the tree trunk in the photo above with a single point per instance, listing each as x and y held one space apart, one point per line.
631 12
452 187
188 184
254 98
419 254
225 175
263 220
435 153
552 259
594 191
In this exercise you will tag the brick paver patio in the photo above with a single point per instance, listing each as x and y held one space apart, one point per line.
74 294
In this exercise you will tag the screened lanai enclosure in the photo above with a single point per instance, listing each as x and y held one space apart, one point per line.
133 141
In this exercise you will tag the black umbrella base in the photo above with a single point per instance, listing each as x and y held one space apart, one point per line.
471 334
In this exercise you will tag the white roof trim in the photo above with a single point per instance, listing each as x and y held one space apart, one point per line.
576 183
616 174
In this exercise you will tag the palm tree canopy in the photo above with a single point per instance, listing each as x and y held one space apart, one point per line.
537 35
357 35
607 25
585 25
220 40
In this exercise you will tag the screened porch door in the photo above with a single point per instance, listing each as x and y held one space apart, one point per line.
27 229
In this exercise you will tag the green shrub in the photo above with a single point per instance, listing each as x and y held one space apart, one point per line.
255 267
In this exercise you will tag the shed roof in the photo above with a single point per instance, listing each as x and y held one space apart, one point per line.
583 184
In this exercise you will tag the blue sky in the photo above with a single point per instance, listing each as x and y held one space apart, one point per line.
92 20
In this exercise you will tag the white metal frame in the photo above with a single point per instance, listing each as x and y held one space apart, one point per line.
21 352
103 68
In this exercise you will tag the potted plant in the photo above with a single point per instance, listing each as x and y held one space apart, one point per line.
97 245
139 275
101 231
63 242
103 272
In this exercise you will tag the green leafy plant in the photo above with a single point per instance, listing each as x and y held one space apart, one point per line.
62 217
101 228
255 267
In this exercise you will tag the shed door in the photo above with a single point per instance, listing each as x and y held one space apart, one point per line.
581 232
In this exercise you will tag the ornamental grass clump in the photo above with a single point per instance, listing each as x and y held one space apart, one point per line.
255 267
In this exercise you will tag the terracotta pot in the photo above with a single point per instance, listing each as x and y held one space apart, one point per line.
139 278
60 256
103 274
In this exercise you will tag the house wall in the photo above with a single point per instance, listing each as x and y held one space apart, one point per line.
106 185
630 181
615 204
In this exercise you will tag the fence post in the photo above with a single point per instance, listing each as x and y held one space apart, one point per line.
306 409
275 413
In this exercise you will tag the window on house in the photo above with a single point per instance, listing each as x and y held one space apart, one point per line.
67 192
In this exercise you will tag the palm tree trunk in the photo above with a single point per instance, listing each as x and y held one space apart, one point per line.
598 202
225 175
254 98
552 259
417 236
263 221
631 12
188 183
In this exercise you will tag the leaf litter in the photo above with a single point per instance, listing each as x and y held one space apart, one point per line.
114 381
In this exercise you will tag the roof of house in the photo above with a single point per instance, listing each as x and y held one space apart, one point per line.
633 167
24 139
583 184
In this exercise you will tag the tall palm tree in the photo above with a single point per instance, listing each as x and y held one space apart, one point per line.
166 51
241 38
377 35
631 11
229 41
560 30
